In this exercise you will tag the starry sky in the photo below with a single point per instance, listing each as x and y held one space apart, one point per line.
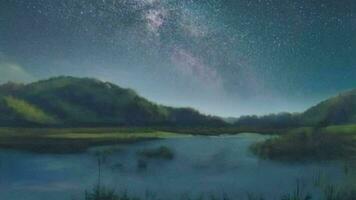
223 57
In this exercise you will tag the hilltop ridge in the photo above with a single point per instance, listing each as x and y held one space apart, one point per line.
71 101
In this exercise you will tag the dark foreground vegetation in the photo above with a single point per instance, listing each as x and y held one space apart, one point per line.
329 192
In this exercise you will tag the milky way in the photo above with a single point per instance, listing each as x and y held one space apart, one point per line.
226 57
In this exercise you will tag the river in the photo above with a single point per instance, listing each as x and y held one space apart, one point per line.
201 165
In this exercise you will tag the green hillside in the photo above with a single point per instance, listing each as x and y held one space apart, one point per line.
28 112
338 110
70 101
334 111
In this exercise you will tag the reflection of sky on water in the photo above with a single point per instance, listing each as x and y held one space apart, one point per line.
202 165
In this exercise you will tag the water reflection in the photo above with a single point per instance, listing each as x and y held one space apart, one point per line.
201 165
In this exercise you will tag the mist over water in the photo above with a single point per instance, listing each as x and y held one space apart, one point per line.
201 166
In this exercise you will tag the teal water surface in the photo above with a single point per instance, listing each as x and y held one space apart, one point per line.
201 166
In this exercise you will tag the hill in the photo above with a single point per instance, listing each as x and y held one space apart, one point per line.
73 102
337 110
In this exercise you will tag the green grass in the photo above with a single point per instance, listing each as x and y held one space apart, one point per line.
329 143
342 129
290 143
28 111
112 135
74 140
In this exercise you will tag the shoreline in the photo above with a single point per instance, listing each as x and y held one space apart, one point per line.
78 140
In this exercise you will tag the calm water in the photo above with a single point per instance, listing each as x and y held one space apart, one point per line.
202 165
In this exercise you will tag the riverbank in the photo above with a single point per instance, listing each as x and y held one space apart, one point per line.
328 143
333 142
77 140
74 140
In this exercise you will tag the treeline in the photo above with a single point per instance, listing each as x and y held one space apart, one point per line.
271 121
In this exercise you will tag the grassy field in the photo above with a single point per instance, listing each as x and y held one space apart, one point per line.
301 142
342 129
333 142
74 140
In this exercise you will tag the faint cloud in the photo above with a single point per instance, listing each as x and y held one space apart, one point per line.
14 72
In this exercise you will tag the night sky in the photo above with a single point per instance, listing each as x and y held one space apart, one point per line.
224 57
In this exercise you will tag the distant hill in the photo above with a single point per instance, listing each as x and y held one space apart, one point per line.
340 109
337 110
73 102
230 120
70 101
